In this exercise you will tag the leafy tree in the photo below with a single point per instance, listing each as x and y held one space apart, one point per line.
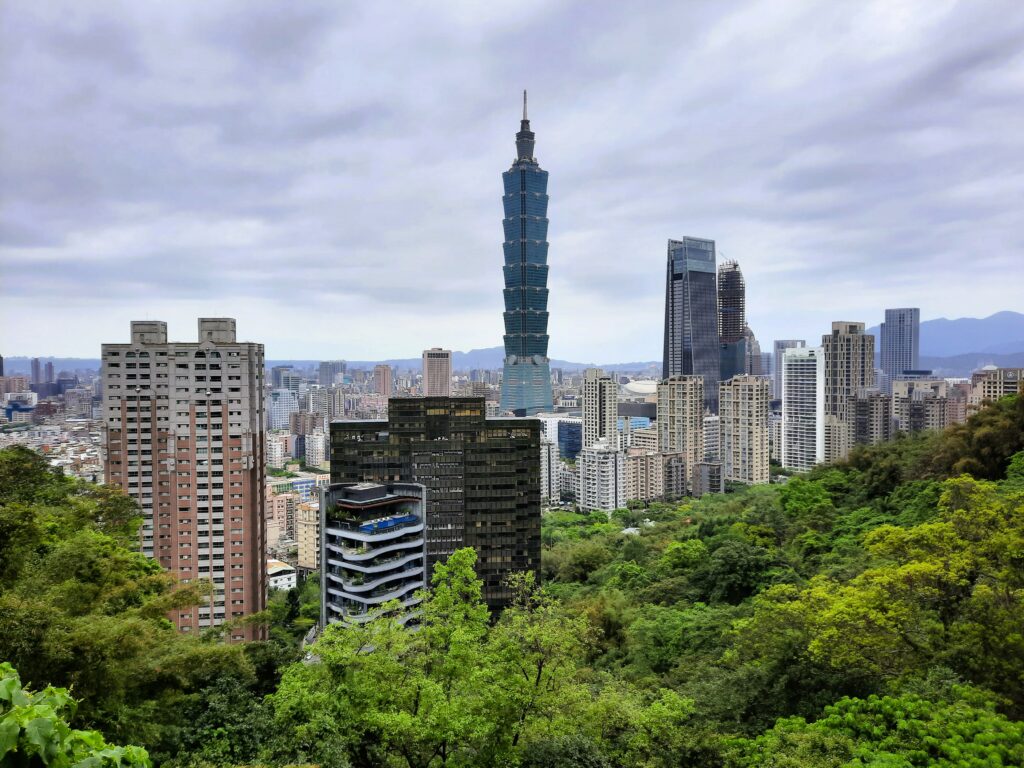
34 731
896 731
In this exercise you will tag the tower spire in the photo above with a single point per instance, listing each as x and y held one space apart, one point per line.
525 137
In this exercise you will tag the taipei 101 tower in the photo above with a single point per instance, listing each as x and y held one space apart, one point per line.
526 384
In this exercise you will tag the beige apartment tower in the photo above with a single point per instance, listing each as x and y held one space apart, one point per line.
680 419
382 380
743 429
437 372
849 368
183 436
600 407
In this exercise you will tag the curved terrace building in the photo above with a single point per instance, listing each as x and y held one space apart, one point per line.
526 384
373 548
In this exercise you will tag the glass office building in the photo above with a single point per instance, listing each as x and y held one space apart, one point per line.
691 315
482 479
526 384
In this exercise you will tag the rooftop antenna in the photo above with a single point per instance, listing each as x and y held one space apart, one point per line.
524 105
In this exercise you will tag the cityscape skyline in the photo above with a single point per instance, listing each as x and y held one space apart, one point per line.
254 207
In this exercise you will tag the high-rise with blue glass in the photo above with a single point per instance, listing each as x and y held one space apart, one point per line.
691 315
526 384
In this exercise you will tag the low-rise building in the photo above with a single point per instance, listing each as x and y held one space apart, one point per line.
280 575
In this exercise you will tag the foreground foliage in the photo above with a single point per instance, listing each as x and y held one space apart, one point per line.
34 731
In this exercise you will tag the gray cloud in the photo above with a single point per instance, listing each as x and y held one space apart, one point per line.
330 173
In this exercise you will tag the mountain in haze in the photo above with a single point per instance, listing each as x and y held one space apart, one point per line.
949 347
998 334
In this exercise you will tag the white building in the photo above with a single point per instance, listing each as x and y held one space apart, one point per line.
277 451
550 468
319 400
316 449
602 483
712 436
743 426
600 407
280 575
437 372
803 407
280 404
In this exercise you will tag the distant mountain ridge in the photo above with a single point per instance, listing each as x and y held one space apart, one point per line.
998 334
949 347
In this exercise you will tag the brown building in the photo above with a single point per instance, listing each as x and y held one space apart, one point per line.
184 437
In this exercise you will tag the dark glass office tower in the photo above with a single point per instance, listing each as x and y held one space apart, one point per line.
691 315
732 296
526 384
482 478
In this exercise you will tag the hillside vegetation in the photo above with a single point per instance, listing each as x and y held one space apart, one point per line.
868 613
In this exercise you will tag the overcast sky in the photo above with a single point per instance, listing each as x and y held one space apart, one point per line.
329 174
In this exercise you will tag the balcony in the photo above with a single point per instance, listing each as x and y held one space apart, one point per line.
381 595
341 614
360 585
384 563
357 554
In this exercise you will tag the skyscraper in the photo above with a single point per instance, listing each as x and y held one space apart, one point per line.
600 407
743 429
184 437
732 295
803 407
329 369
382 380
781 345
691 315
900 343
37 371
48 377
681 417
526 383
437 372
849 368
482 477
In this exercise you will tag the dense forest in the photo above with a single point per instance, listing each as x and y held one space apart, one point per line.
869 613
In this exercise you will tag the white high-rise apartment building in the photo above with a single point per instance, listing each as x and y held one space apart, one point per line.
743 426
550 472
803 407
183 435
602 483
681 416
781 345
281 403
437 372
277 451
600 407
320 400
712 436
315 445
